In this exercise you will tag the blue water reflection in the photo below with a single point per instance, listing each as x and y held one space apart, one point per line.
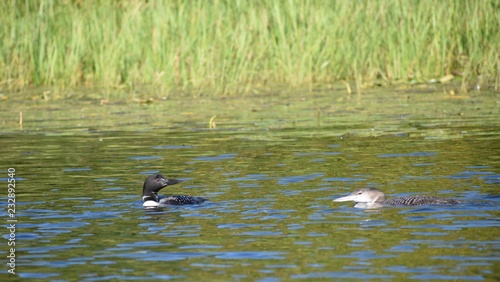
269 218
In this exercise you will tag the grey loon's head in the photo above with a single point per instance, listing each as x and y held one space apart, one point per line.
153 184
364 198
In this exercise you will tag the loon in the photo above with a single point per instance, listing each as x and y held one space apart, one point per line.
372 198
155 183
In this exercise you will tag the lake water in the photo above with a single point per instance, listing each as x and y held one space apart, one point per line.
271 168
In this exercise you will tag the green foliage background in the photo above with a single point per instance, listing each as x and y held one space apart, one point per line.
235 44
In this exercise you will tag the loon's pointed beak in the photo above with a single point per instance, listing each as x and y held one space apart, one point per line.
353 198
166 182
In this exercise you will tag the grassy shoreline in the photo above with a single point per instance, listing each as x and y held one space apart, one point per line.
237 45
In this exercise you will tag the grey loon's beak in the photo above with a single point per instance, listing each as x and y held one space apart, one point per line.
353 198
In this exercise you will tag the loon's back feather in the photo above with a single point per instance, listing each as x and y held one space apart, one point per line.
182 200
419 201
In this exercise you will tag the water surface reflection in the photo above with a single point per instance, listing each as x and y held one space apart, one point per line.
270 216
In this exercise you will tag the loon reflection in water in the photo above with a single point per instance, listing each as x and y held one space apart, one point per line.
372 198
154 183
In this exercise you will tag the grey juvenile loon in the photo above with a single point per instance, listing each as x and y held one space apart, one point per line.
366 198
155 183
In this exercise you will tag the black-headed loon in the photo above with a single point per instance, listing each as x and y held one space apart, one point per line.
372 198
155 183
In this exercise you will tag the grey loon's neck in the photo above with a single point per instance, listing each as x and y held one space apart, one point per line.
375 205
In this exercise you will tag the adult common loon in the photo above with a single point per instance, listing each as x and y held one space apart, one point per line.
155 183
372 198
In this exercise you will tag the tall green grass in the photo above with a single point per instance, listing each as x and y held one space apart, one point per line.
236 45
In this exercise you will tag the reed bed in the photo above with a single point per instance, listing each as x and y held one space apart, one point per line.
233 45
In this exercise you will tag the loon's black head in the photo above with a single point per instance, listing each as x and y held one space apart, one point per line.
153 184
